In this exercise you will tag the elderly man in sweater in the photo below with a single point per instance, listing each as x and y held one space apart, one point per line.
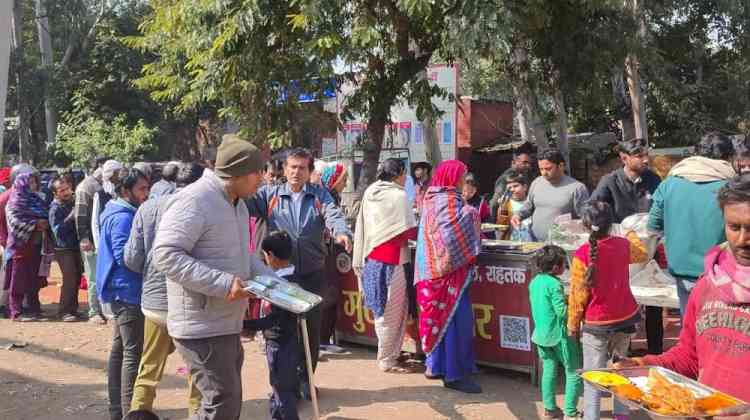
202 247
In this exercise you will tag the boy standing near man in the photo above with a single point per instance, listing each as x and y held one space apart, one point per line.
280 331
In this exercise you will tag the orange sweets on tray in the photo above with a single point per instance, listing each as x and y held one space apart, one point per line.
661 395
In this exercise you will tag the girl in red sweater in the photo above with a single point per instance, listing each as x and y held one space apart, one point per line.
602 309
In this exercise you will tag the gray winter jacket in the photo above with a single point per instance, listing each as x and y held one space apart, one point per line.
201 245
138 253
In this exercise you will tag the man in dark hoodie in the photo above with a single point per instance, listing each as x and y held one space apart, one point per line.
120 287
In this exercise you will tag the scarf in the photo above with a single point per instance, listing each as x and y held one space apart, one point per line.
449 234
24 208
701 169
385 213
729 278
331 174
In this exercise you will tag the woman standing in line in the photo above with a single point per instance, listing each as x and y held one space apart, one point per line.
447 246
385 225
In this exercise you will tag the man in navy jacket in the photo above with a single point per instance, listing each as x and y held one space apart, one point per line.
120 287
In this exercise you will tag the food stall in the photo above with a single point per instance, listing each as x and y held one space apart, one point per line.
499 295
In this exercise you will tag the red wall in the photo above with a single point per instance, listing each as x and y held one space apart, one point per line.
481 123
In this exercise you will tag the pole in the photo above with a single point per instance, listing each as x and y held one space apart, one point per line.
6 15
310 373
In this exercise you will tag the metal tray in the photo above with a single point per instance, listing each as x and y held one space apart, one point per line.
283 294
698 389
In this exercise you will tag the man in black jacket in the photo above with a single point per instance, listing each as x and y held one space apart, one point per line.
628 191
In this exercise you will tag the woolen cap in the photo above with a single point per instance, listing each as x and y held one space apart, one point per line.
237 157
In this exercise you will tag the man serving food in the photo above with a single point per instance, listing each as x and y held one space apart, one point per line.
714 344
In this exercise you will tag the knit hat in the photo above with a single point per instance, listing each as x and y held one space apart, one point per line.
110 168
331 175
237 157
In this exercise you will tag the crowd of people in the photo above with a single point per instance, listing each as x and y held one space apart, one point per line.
165 259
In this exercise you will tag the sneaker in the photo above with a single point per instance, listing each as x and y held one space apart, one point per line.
466 385
578 415
433 377
98 319
69 318
553 414
25 318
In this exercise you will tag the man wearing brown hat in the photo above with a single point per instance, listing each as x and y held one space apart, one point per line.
201 246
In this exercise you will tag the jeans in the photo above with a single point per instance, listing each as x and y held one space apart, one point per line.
282 359
568 354
215 365
127 346
71 268
315 283
157 346
598 350
684 286
89 266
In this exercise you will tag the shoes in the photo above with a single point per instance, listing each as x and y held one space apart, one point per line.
98 319
465 385
332 348
433 377
25 318
69 318
578 415
553 414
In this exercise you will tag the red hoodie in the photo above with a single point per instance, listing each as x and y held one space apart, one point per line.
714 345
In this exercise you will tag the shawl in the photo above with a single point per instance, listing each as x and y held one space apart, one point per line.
385 213
331 174
729 278
701 169
25 207
449 235
447 244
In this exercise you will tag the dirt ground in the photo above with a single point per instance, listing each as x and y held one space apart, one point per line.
61 375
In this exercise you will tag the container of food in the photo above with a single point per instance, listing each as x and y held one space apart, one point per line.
662 393
283 294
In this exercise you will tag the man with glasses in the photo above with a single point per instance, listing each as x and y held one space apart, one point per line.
628 191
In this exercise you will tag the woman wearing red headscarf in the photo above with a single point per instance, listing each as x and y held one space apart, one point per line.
447 247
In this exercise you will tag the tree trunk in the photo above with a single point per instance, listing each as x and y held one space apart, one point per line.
526 97
6 15
632 67
561 119
371 150
45 46
523 124
431 146
24 119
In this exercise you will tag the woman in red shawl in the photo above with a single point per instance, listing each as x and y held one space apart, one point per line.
447 247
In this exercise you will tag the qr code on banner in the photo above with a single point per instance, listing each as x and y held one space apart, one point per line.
514 333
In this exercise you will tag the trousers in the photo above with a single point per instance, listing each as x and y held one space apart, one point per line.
215 365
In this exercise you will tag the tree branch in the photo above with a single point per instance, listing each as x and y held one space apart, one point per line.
86 39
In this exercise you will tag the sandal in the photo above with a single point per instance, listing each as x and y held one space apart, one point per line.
400 370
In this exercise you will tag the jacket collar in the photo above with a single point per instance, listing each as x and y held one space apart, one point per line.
285 190
216 184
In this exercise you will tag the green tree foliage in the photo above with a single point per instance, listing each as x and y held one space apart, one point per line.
698 69
84 135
